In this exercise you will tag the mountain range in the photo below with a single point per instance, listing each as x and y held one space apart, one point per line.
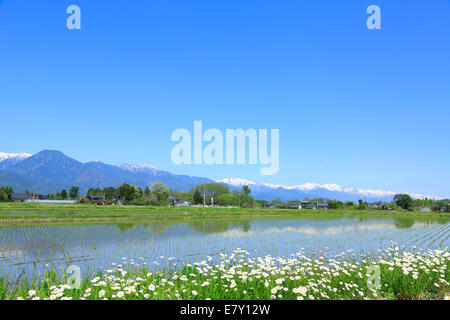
51 171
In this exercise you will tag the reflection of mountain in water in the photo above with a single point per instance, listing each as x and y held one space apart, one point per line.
324 227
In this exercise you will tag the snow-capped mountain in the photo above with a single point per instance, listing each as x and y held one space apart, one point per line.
18 156
139 167
10 159
332 191
50 171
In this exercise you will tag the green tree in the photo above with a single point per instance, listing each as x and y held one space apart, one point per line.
246 201
3 195
128 192
95 192
160 191
212 191
198 198
5 191
109 193
362 205
349 204
228 200
333 204
404 201
73 192
64 194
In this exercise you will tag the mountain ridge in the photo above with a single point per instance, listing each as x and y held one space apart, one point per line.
310 188
50 171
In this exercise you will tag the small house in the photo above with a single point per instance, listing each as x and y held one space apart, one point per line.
18 196
323 206
311 206
304 204
183 204
94 198
175 201
294 205
273 205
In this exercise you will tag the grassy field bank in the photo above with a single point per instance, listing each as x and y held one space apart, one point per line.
23 213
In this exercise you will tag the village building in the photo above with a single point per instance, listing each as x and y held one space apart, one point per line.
18 196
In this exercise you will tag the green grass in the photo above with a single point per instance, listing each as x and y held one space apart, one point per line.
14 213
403 275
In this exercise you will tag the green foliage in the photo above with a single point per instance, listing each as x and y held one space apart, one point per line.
246 190
161 192
129 192
5 192
95 192
261 204
228 200
334 204
246 200
139 202
74 192
404 201
212 190
198 198
349 204
109 193
64 194
362 205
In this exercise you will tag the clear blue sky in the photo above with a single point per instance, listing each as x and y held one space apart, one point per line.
356 107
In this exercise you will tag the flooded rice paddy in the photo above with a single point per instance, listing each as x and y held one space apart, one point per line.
26 252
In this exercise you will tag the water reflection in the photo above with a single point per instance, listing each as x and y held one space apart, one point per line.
311 227
219 226
97 246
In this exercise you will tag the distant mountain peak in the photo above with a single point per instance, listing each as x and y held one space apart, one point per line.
311 187
50 152
237 182
50 171
18 156
138 167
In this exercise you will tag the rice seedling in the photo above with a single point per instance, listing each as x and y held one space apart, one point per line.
28 254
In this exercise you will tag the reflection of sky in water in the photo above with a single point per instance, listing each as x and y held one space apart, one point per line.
95 246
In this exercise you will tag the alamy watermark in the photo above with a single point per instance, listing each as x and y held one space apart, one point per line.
73 273
231 151
374 277
74 20
374 20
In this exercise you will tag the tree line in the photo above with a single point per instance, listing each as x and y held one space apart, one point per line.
158 194
219 194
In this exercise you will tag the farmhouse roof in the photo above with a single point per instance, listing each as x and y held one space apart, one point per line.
18 196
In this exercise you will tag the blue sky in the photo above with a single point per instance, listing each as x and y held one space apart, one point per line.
356 107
